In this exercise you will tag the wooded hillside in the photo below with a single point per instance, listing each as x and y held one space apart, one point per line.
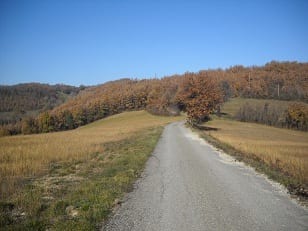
285 81
21 100
198 94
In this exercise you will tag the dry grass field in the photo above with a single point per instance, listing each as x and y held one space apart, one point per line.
71 180
282 149
27 156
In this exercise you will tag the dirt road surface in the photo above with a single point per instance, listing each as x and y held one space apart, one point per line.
189 185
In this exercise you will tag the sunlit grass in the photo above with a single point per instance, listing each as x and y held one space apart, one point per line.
28 156
283 149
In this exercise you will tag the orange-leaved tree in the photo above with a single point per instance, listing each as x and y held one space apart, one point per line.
297 116
199 96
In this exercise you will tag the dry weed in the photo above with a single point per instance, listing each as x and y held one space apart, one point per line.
27 156
283 149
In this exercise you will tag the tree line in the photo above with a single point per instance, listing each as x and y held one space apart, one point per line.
197 94
293 116
167 96
275 80
22 100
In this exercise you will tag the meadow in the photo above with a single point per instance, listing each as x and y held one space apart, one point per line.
26 156
283 151
87 168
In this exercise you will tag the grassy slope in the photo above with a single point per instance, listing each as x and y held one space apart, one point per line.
281 153
77 176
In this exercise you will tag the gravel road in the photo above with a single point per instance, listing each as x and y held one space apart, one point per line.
189 185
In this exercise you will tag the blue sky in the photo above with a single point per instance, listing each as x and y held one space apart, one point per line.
90 42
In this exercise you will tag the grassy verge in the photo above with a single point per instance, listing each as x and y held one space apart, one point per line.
280 153
24 157
77 192
80 195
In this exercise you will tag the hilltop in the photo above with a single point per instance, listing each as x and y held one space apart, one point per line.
198 94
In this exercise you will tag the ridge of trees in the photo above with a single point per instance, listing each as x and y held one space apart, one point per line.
198 94
275 80
21 100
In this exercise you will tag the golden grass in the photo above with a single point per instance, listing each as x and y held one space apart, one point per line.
284 149
27 156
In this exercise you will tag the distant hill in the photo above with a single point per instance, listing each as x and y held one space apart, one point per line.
30 99
64 107
275 80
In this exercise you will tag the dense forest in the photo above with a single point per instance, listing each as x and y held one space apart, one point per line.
198 94
22 100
